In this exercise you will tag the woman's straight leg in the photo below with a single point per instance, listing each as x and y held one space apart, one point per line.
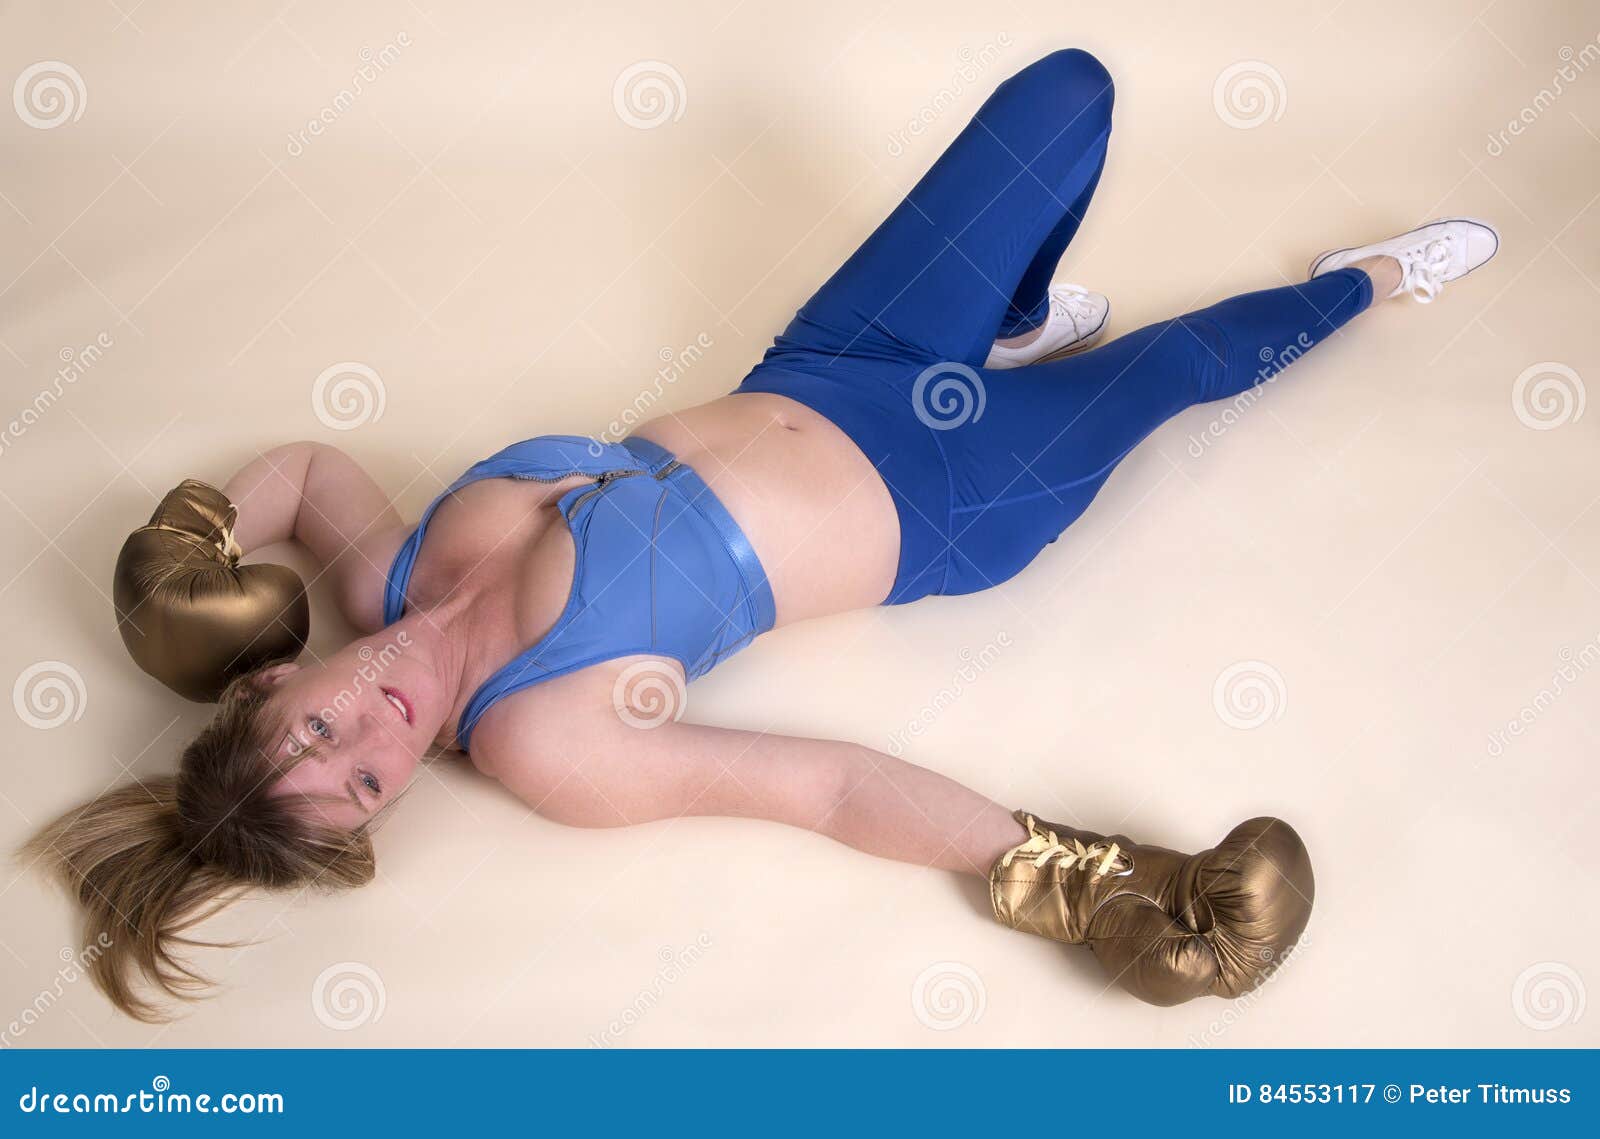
1050 434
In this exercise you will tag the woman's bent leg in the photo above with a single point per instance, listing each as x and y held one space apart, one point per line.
1030 304
938 277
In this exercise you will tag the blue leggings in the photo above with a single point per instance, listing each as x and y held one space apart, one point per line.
988 467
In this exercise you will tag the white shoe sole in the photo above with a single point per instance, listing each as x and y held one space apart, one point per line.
1317 261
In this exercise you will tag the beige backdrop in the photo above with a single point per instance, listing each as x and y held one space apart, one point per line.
1332 608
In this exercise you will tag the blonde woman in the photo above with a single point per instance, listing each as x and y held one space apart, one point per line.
931 419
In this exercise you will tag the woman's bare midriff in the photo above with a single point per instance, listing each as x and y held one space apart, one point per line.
816 511
812 505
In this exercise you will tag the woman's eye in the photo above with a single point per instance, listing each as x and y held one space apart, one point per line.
319 728
370 782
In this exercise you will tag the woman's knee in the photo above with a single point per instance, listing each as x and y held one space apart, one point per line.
1211 356
1076 81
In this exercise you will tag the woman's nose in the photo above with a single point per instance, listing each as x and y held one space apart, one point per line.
374 727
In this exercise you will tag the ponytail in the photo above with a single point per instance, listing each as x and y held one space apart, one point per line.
150 860
137 886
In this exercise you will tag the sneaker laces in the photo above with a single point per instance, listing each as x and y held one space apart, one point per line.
1075 302
1425 269
1043 845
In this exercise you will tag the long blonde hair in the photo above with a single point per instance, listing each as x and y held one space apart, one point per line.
153 858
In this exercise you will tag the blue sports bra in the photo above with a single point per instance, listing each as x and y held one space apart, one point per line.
662 568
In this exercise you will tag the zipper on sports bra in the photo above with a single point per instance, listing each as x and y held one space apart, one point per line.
607 477
600 483
602 478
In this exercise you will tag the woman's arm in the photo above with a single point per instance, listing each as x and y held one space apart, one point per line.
591 773
319 496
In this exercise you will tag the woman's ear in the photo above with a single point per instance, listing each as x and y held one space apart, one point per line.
275 674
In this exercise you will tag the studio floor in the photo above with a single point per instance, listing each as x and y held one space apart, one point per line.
1368 602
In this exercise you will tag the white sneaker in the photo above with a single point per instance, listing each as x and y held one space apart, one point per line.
1429 255
1077 319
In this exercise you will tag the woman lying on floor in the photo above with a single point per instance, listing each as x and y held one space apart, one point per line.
929 421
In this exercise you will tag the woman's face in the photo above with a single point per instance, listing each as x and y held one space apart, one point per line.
366 715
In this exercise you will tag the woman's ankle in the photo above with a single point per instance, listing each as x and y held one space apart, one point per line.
1384 272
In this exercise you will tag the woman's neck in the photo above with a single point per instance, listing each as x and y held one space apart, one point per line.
440 636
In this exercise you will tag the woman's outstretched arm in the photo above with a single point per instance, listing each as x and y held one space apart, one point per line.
319 496
615 775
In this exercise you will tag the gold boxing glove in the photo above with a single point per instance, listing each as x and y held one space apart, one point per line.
190 614
1168 927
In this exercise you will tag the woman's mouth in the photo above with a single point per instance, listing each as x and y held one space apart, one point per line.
398 700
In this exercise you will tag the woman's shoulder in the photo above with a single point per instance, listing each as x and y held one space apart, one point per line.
362 582
530 739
